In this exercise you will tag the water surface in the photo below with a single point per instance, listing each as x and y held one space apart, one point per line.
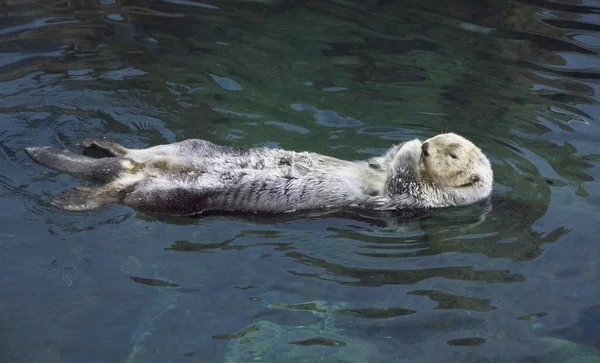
514 281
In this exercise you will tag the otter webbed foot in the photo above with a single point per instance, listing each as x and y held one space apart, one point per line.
82 199
48 156
81 166
108 147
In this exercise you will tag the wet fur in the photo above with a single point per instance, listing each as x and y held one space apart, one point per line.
196 176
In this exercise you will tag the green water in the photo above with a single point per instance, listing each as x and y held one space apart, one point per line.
514 281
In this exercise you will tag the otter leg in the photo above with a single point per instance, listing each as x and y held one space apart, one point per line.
109 147
82 199
103 170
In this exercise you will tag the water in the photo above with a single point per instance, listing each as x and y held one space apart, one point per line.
517 281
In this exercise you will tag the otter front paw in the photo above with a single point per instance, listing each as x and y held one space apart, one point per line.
409 154
406 162
412 147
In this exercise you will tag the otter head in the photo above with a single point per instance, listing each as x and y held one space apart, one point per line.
453 162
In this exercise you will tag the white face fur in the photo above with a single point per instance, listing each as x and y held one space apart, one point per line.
450 160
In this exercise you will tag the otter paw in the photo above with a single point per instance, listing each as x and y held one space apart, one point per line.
108 147
45 155
81 199
37 153
410 152
412 146
89 143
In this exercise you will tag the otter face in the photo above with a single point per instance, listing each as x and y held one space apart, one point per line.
450 160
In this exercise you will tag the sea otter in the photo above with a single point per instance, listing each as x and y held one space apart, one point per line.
195 176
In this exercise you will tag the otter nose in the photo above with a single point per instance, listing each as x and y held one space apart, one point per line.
425 149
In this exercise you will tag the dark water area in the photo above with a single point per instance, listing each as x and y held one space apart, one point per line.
517 280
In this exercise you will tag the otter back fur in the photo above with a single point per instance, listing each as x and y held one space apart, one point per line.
195 176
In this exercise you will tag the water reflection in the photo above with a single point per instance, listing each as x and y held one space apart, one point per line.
497 230
344 78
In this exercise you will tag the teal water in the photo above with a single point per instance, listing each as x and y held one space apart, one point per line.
515 281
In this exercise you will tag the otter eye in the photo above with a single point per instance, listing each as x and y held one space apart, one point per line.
453 156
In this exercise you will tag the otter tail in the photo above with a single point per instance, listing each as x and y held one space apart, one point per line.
81 166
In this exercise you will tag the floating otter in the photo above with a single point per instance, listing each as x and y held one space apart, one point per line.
195 176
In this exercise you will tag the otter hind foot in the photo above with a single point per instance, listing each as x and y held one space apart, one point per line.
108 147
47 156
103 170
82 199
